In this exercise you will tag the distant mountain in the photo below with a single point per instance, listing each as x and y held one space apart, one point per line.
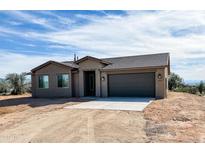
193 82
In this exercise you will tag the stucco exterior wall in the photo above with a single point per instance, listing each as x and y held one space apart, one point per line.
166 80
104 84
34 84
90 65
52 70
160 83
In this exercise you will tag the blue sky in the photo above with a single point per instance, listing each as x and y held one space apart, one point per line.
29 38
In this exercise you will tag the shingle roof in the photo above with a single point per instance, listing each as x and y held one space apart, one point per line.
151 60
51 62
141 61
71 64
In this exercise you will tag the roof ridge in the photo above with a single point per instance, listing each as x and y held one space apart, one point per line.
91 57
137 55
122 56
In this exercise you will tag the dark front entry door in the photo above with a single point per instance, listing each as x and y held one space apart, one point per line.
89 83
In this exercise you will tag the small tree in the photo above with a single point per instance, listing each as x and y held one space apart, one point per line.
175 81
16 83
3 87
201 87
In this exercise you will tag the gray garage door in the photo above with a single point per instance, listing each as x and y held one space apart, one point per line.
131 85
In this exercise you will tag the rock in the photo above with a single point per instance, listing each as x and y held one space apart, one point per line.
181 118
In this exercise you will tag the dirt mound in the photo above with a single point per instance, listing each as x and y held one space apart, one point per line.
179 118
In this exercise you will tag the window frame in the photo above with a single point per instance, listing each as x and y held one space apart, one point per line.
68 84
39 81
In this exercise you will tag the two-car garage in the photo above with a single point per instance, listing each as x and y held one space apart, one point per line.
131 85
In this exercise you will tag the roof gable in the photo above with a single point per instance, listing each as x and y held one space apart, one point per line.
92 58
51 62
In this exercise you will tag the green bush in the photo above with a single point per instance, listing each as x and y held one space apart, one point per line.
201 87
193 90
187 89
4 88
175 81
176 84
17 83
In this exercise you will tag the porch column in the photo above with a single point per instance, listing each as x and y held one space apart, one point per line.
81 83
104 84
97 83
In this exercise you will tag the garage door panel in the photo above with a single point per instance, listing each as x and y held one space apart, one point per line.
132 85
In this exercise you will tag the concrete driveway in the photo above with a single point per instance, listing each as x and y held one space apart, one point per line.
114 103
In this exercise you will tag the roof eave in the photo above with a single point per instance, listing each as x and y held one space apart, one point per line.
48 63
169 69
134 68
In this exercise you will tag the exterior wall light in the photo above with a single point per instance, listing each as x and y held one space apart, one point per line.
159 76
103 78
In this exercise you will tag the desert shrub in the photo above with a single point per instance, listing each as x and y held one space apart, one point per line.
176 84
193 90
182 89
201 87
4 88
16 83
175 81
187 89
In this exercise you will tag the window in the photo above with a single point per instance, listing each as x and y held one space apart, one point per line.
43 81
63 80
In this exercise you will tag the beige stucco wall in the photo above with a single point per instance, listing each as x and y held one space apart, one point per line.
104 84
166 80
160 84
90 65
52 70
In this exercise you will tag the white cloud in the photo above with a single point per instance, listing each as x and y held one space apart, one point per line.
138 33
62 20
23 16
135 34
17 63
194 72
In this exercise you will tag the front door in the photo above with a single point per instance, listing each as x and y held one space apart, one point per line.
89 83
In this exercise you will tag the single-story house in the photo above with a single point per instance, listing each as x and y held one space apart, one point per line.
131 76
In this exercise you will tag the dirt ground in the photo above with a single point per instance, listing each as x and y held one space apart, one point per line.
180 118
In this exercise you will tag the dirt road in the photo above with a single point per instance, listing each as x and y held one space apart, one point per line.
53 123
66 125
180 118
